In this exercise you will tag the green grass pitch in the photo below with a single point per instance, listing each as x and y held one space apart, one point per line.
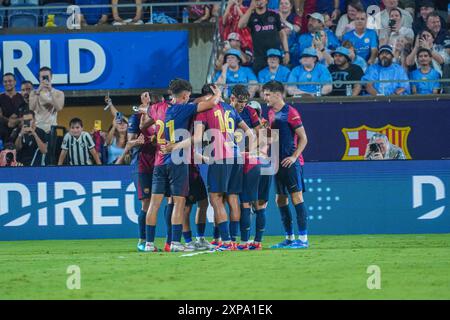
334 267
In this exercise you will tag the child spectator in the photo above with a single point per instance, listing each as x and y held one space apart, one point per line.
31 142
79 145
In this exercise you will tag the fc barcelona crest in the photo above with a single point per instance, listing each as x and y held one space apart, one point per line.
356 139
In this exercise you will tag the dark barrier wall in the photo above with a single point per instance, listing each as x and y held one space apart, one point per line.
341 197
340 131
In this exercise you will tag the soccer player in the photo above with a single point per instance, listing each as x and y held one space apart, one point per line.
167 175
289 178
251 172
224 177
143 149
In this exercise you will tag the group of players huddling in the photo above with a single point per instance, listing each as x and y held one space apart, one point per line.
225 159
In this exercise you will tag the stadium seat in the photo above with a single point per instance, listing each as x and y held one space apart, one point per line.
23 20
60 13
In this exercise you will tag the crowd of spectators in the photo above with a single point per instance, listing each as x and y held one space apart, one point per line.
329 42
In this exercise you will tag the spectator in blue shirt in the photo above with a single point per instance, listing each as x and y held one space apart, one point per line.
365 41
93 16
385 69
310 70
425 72
354 57
316 24
274 69
233 73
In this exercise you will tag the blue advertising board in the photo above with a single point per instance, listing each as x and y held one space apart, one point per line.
99 60
340 131
341 198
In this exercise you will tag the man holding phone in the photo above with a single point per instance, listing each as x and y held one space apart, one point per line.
31 143
46 101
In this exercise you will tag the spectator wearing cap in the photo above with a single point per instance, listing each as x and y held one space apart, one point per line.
354 58
396 31
386 70
426 40
365 41
439 31
274 69
233 73
382 17
310 70
265 28
344 70
234 42
316 24
425 71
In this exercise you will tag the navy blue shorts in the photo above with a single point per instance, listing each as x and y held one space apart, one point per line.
225 178
171 179
289 180
197 191
144 185
250 183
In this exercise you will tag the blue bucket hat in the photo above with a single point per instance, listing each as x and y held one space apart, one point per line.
274 53
233 52
342 51
387 48
309 52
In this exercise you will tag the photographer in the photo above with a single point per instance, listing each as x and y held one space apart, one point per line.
8 157
379 148
31 143
46 101
395 30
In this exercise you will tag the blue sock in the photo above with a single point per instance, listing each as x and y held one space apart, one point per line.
168 218
150 233
216 232
234 230
177 230
141 224
302 217
187 236
224 231
245 224
260 224
201 229
286 218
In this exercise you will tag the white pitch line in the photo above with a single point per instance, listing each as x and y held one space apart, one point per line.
196 253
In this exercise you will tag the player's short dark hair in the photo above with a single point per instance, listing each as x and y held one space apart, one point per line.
46 69
273 86
26 82
240 91
29 112
74 121
9 74
206 89
177 86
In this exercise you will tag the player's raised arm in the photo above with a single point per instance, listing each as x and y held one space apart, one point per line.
212 101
